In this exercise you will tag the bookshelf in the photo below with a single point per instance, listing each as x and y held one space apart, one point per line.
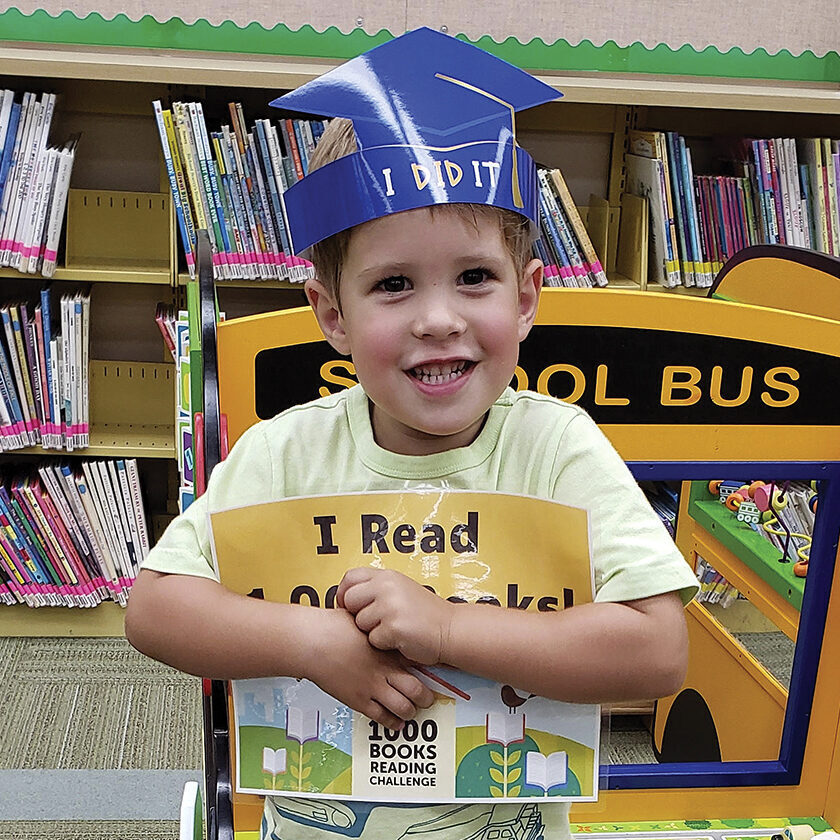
122 239
584 136
117 245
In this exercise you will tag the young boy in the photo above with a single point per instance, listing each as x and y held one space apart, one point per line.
431 298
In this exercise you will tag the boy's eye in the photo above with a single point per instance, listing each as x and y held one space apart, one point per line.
394 284
474 276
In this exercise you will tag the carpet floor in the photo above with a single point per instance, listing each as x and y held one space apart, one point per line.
95 704
84 830
773 650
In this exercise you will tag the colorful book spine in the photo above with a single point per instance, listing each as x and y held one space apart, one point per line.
28 394
232 216
580 273
831 193
53 224
28 337
54 435
293 148
680 212
552 237
591 257
163 120
261 133
16 436
11 347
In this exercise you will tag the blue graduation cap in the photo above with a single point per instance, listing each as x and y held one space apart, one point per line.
434 119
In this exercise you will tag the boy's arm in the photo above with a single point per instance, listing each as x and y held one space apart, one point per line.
196 625
590 653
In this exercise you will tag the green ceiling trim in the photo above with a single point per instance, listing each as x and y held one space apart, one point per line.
120 31
662 59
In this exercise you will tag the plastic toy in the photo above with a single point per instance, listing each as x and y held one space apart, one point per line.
758 501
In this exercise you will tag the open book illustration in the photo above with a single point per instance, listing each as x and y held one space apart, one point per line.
274 763
546 770
481 741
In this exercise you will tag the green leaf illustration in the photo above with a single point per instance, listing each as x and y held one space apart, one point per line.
295 771
514 774
306 772
514 757
496 776
514 791
494 791
497 757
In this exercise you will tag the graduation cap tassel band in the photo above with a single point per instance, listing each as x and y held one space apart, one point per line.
517 193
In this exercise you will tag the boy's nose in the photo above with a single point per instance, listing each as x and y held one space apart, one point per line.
437 318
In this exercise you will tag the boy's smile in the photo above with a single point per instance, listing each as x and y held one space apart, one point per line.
432 313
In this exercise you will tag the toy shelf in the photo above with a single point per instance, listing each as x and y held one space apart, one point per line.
759 555
694 538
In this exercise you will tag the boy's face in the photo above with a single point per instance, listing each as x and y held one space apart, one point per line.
432 313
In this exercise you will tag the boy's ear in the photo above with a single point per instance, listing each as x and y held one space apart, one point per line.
529 296
329 316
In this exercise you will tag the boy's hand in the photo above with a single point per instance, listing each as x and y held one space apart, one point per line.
397 613
373 682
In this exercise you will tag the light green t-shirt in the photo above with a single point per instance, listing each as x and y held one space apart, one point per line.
530 444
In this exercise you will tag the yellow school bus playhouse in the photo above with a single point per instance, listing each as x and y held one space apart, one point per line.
691 391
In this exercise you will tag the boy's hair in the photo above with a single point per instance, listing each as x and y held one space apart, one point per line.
339 140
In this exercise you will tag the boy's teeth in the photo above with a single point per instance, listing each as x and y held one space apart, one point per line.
437 374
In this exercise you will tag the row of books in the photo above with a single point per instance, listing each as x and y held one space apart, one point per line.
714 587
665 501
797 183
659 167
175 330
231 183
564 246
34 182
777 190
44 385
72 537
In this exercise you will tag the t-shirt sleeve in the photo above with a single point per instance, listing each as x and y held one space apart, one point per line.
633 554
244 477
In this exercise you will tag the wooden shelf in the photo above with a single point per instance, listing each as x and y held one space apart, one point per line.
131 440
98 274
286 72
117 440
127 401
107 619
184 278
621 281
150 276
692 291
685 92
629 707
